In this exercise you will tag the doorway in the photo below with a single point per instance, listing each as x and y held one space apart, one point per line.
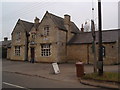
32 55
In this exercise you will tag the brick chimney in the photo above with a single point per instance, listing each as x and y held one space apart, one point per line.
82 28
5 38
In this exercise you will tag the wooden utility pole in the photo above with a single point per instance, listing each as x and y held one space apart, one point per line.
100 57
94 45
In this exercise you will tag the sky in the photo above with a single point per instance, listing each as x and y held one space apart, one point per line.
12 10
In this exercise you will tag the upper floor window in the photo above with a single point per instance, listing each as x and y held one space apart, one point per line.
33 35
18 36
45 50
17 50
46 30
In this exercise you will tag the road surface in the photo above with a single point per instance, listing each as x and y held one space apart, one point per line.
13 80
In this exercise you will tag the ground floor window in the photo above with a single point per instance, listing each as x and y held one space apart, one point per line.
17 50
45 50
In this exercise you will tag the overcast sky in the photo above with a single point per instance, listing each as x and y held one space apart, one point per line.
78 10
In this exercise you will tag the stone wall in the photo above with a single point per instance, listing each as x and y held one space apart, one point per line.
41 39
84 53
20 43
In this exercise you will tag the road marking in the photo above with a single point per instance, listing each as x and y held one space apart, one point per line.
14 85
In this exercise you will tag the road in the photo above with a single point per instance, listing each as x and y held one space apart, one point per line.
13 80
25 75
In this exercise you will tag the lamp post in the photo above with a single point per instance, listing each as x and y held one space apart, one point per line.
100 56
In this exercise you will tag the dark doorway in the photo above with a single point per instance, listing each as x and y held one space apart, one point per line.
4 52
32 55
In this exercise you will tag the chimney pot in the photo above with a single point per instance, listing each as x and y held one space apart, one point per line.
5 38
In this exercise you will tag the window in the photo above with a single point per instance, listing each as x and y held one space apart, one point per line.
18 36
45 50
46 30
17 50
33 35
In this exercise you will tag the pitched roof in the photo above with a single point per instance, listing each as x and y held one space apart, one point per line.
74 28
60 23
56 19
86 37
27 25
5 43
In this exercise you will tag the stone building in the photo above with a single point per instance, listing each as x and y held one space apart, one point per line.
3 47
56 39
80 47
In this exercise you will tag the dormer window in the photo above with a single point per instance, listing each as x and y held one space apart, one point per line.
46 30
18 36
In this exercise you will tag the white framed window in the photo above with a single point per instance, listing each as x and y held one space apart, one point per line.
45 50
18 36
17 50
46 30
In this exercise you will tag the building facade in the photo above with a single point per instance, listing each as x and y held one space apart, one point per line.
56 39
4 45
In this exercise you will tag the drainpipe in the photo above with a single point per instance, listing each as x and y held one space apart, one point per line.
26 47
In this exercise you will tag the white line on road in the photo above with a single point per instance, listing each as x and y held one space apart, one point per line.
14 85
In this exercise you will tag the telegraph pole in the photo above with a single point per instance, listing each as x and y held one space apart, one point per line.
100 57
94 45
94 38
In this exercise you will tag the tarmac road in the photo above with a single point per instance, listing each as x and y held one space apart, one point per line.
13 80
24 75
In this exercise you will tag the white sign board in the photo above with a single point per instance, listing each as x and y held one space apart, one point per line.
56 68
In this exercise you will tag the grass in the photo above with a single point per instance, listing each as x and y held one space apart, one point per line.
107 76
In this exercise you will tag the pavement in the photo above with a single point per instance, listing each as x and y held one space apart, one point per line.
45 70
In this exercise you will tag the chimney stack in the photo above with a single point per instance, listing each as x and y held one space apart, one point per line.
82 28
67 19
36 20
67 23
5 38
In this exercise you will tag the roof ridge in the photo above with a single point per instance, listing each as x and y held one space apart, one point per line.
26 21
102 31
55 15
25 25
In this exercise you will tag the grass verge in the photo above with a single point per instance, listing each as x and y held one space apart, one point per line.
107 76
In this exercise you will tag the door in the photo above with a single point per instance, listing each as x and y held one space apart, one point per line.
32 54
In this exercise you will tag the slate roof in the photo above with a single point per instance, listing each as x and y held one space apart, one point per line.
27 25
108 36
5 43
60 23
